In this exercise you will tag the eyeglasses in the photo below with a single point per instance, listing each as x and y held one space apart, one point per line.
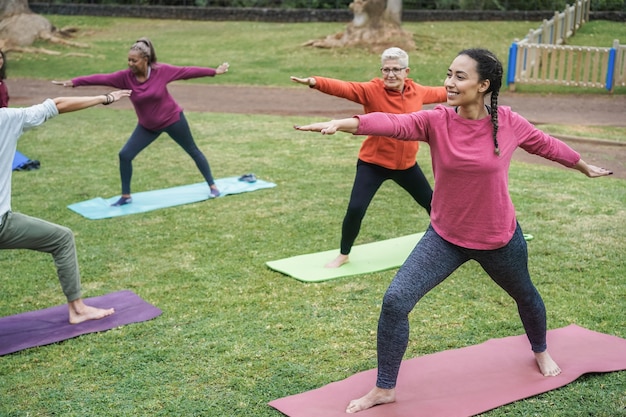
396 71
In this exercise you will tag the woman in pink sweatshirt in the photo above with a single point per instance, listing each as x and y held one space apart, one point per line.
157 111
472 215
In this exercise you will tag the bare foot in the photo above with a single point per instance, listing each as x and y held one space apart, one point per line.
80 312
376 396
338 261
547 366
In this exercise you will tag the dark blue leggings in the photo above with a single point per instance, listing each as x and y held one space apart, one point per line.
432 261
142 137
368 179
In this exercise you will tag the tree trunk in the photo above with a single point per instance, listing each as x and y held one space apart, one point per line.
9 8
394 11
375 26
20 27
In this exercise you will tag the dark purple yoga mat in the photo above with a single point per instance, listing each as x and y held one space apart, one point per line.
51 325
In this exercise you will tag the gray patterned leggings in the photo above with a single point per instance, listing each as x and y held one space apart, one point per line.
432 261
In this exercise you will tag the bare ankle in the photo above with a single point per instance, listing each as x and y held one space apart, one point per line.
547 365
376 396
338 261
80 312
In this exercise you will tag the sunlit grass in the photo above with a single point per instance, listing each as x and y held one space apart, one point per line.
617 134
234 334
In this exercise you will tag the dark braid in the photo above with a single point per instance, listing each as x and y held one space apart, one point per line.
494 120
489 68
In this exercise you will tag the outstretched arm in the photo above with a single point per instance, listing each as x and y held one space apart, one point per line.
70 104
349 125
310 81
591 171
223 68
66 83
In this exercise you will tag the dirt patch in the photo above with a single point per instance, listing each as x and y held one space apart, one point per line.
597 109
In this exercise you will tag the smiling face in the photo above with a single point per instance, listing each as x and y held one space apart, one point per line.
137 62
394 74
463 83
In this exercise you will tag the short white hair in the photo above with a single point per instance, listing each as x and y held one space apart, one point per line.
395 54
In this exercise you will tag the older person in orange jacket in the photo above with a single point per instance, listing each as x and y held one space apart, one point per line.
381 158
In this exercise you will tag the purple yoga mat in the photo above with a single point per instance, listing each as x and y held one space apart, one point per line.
51 325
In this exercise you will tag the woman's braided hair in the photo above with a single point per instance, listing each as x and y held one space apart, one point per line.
489 68
145 48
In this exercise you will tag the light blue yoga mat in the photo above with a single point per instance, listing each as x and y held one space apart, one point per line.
364 259
100 208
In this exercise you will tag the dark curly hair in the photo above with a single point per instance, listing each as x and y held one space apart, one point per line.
3 70
144 46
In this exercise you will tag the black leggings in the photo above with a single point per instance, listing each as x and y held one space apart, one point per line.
368 179
142 137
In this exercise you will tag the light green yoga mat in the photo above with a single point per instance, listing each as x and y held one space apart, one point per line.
364 259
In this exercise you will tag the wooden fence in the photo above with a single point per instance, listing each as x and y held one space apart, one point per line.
543 58
563 24
579 66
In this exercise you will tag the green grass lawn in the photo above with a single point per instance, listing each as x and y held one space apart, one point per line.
235 335
616 134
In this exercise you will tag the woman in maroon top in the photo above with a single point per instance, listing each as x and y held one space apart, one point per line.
156 109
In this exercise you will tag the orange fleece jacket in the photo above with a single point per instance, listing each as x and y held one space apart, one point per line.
380 150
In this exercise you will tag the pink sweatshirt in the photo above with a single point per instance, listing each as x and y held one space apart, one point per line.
471 205
154 105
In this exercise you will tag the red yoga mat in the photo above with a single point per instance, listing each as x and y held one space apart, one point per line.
468 381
